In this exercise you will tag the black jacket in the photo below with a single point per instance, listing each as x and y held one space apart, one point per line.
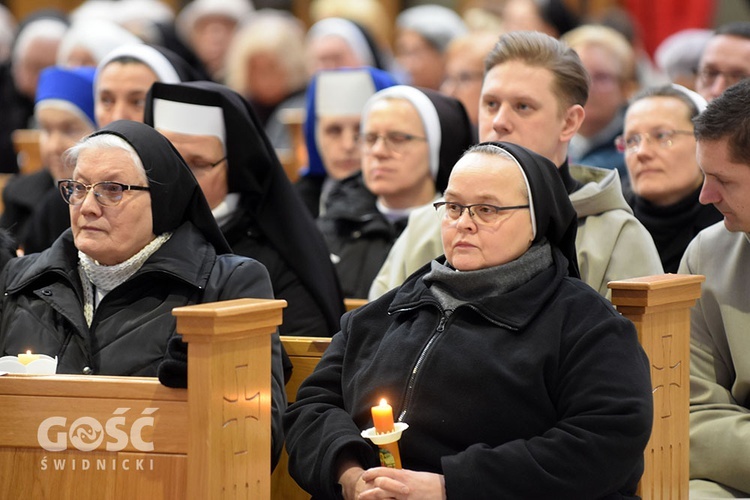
358 236
302 316
540 392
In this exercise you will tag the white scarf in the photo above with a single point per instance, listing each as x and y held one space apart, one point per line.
107 278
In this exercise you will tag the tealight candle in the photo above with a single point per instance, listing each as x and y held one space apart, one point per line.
27 357
382 417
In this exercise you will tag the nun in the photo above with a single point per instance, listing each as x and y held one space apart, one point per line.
125 74
334 103
251 198
409 140
560 402
64 112
142 242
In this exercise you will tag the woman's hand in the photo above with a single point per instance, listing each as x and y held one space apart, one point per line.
400 484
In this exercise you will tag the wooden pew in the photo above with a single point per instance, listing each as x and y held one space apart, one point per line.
659 306
26 145
132 438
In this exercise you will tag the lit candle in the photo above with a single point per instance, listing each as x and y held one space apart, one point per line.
382 417
27 358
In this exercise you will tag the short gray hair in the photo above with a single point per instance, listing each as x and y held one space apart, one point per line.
103 141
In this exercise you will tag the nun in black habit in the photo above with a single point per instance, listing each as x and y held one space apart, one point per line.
142 242
560 404
258 210
360 223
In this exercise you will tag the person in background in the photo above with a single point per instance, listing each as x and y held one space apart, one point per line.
719 344
251 198
372 15
678 55
124 77
334 103
533 94
410 139
33 50
560 404
88 41
64 112
552 17
142 242
725 60
610 62
422 35
8 29
266 65
336 42
666 180
208 26
464 69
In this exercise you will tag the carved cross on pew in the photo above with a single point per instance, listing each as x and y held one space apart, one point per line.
238 407
666 376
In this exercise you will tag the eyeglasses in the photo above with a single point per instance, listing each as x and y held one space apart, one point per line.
463 78
395 142
203 165
106 193
707 76
479 212
632 143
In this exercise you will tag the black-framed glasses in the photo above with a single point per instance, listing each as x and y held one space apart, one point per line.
479 212
395 142
106 193
632 143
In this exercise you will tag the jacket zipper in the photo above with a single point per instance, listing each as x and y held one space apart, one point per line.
445 315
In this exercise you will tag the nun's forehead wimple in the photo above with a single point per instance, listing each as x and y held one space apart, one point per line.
190 119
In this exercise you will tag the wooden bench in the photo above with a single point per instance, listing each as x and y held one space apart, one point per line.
26 144
131 438
659 306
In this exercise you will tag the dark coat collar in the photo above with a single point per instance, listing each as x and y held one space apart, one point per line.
61 258
514 309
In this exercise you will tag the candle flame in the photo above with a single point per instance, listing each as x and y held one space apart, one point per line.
28 351
383 402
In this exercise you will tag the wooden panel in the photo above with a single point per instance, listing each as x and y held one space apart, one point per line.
26 144
304 352
659 306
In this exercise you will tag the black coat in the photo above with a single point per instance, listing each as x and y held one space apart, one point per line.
358 236
21 197
302 316
539 392
42 309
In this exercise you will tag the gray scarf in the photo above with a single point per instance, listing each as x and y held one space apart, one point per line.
452 288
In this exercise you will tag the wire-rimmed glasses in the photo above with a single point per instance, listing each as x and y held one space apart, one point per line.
631 143
396 142
106 193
